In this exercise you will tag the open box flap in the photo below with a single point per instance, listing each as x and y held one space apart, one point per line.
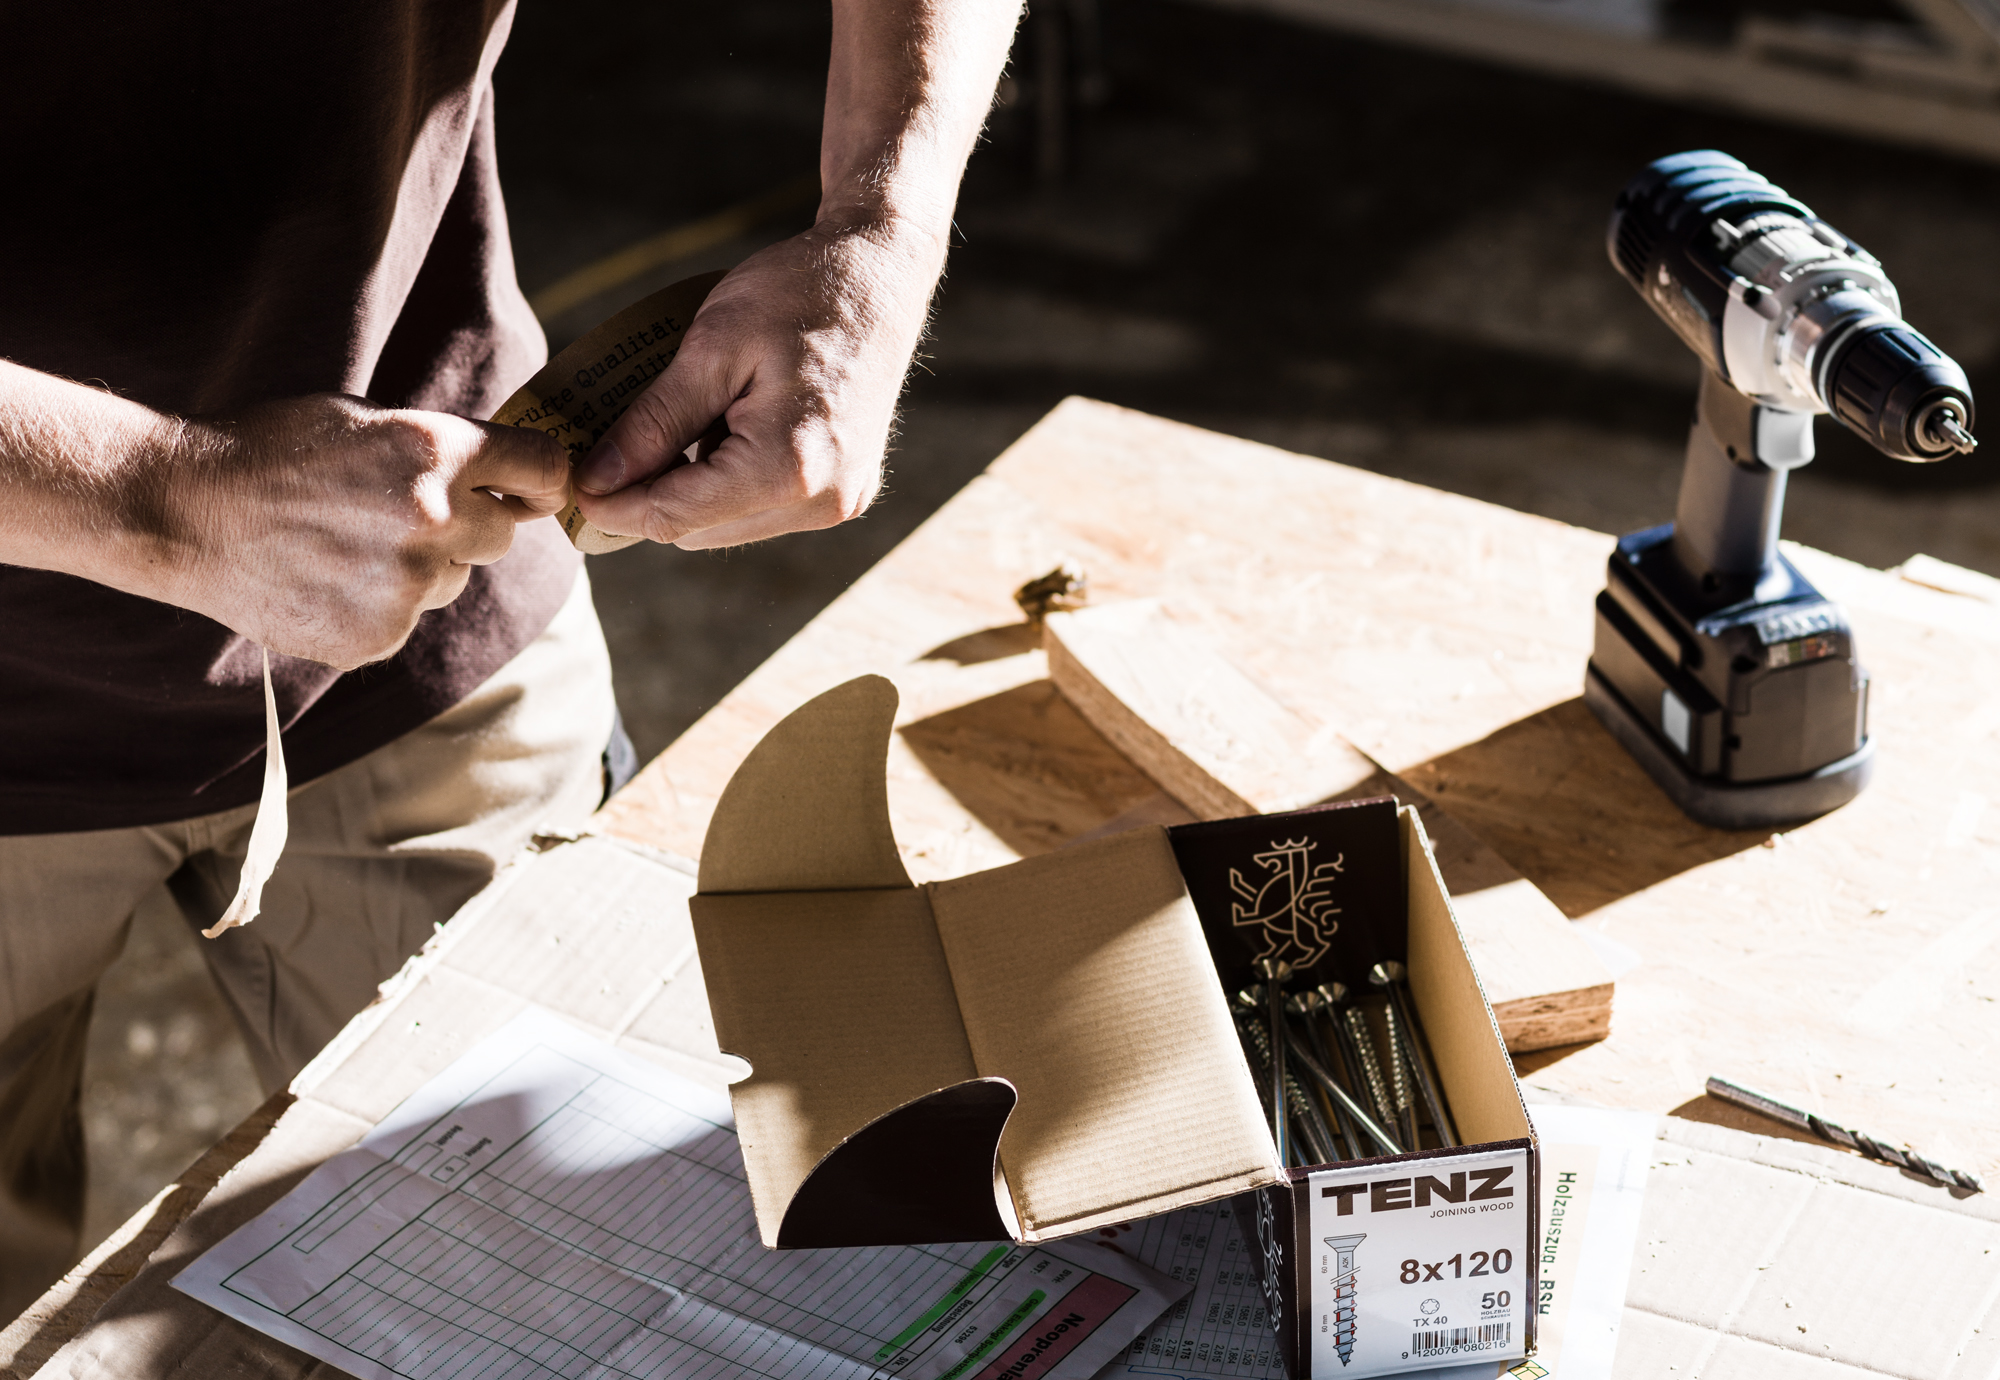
922 1173
1472 1057
1083 978
808 810
841 1003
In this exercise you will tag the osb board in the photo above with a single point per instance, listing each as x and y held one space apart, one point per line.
1849 965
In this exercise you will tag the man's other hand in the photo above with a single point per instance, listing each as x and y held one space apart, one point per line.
323 526
784 390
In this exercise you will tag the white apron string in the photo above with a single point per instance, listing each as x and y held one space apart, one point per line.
267 835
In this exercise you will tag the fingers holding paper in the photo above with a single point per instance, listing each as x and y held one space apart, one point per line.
799 354
783 394
323 527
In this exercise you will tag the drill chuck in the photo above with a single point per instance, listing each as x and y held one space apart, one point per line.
1783 307
1900 393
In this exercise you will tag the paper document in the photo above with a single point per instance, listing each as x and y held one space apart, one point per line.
1221 1327
1593 1182
552 1207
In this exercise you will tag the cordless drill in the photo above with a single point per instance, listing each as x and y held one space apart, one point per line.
1717 664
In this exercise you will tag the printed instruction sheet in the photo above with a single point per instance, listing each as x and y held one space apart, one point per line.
552 1207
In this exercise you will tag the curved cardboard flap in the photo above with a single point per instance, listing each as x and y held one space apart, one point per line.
922 1173
809 808
842 1005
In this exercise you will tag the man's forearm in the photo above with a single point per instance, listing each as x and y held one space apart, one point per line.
81 478
908 90
319 526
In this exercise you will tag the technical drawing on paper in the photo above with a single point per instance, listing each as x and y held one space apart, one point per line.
1222 1327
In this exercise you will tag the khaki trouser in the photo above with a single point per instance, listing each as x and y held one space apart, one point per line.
381 852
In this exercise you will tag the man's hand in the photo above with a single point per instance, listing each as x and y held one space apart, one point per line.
800 353
320 527
785 386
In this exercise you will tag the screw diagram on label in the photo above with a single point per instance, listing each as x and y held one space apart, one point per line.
1343 1292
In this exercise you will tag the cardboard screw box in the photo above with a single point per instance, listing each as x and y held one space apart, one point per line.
1389 1263
1044 1049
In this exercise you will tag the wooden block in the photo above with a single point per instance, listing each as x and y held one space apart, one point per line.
1222 745
1211 736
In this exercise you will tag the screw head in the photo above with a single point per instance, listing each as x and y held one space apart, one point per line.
1305 1003
1272 969
1334 992
1382 974
1251 998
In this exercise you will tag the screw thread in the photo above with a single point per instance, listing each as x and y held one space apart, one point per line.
1371 1066
1399 1077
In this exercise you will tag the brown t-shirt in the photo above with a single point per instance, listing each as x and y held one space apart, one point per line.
213 203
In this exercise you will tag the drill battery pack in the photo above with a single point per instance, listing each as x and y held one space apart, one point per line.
1749 711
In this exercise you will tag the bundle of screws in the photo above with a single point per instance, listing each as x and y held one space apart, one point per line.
1332 1090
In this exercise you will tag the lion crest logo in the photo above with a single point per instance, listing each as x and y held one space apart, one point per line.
1292 904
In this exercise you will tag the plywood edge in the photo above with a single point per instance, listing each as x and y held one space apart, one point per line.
1578 1017
1189 717
1546 985
1538 972
1145 746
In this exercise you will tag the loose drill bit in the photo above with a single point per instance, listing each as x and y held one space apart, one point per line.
1843 1136
1393 976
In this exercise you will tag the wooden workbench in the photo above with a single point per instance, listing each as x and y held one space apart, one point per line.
1447 638
1840 963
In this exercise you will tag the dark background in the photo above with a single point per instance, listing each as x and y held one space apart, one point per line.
1377 255
1368 253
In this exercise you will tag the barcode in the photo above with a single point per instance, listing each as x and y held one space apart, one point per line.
1483 1338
